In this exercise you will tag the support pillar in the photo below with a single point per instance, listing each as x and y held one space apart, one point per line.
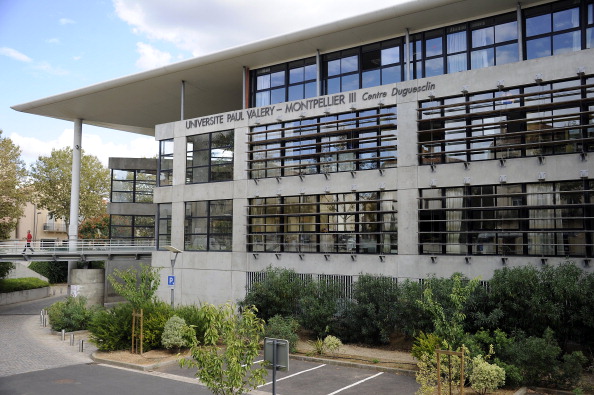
74 194
183 100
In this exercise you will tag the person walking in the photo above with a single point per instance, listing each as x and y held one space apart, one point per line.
28 244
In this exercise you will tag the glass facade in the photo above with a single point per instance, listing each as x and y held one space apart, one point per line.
537 219
360 140
534 120
209 225
357 222
164 225
550 29
165 162
132 227
285 82
209 157
132 186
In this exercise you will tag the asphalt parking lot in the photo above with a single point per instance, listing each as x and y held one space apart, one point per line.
313 378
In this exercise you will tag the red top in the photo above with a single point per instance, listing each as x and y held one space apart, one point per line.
29 237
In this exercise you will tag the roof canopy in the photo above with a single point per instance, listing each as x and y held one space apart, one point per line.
138 102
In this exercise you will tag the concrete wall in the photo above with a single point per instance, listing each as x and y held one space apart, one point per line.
24 296
220 276
22 270
88 283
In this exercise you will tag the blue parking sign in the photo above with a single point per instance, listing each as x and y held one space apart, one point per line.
171 281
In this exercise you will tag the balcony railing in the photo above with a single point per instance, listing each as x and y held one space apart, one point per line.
51 227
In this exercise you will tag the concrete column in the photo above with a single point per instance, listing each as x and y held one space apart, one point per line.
183 95
520 32
407 55
319 73
75 188
245 78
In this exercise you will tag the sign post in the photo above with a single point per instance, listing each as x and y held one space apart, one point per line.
276 351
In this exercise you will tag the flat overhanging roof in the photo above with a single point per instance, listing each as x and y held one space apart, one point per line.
138 102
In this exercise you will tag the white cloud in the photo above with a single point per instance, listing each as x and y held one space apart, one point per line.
14 54
66 21
205 26
151 57
46 67
92 144
53 40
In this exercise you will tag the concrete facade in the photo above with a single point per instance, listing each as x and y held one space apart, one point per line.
220 276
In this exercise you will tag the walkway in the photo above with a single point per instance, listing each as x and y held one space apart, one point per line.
27 346
76 250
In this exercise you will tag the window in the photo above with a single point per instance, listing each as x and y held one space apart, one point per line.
132 227
284 82
210 157
361 140
540 219
165 162
363 222
553 29
494 41
209 225
164 225
132 186
533 120
363 67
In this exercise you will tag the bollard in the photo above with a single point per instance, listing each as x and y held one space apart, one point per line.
41 317
72 339
63 334
81 346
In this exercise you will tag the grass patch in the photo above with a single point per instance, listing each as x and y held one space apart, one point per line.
21 284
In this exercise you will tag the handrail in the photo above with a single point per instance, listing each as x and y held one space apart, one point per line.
77 246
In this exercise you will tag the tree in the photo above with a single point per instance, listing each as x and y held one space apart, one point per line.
137 288
94 228
13 194
228 370
52 181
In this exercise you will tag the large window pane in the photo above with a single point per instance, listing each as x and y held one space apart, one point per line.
538 25
506 54
538 48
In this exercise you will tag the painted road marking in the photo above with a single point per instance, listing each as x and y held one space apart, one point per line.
292 375
354 384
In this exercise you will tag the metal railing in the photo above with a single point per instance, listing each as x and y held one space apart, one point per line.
84 246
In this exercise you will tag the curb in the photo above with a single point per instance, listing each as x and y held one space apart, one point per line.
143 368
403 372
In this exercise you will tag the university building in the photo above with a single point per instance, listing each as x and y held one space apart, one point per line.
428 138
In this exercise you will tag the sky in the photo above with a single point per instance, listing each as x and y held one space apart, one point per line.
48 47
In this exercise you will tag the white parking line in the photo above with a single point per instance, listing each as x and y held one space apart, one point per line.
354 384
292 375
253 363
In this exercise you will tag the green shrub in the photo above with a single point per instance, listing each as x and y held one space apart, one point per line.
484 376
277 294
5 268
155 317
372 315
21 284
194 317
55 272
332 343
177 334
70 314
425 344
318 307
279 327
541 362
111 329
